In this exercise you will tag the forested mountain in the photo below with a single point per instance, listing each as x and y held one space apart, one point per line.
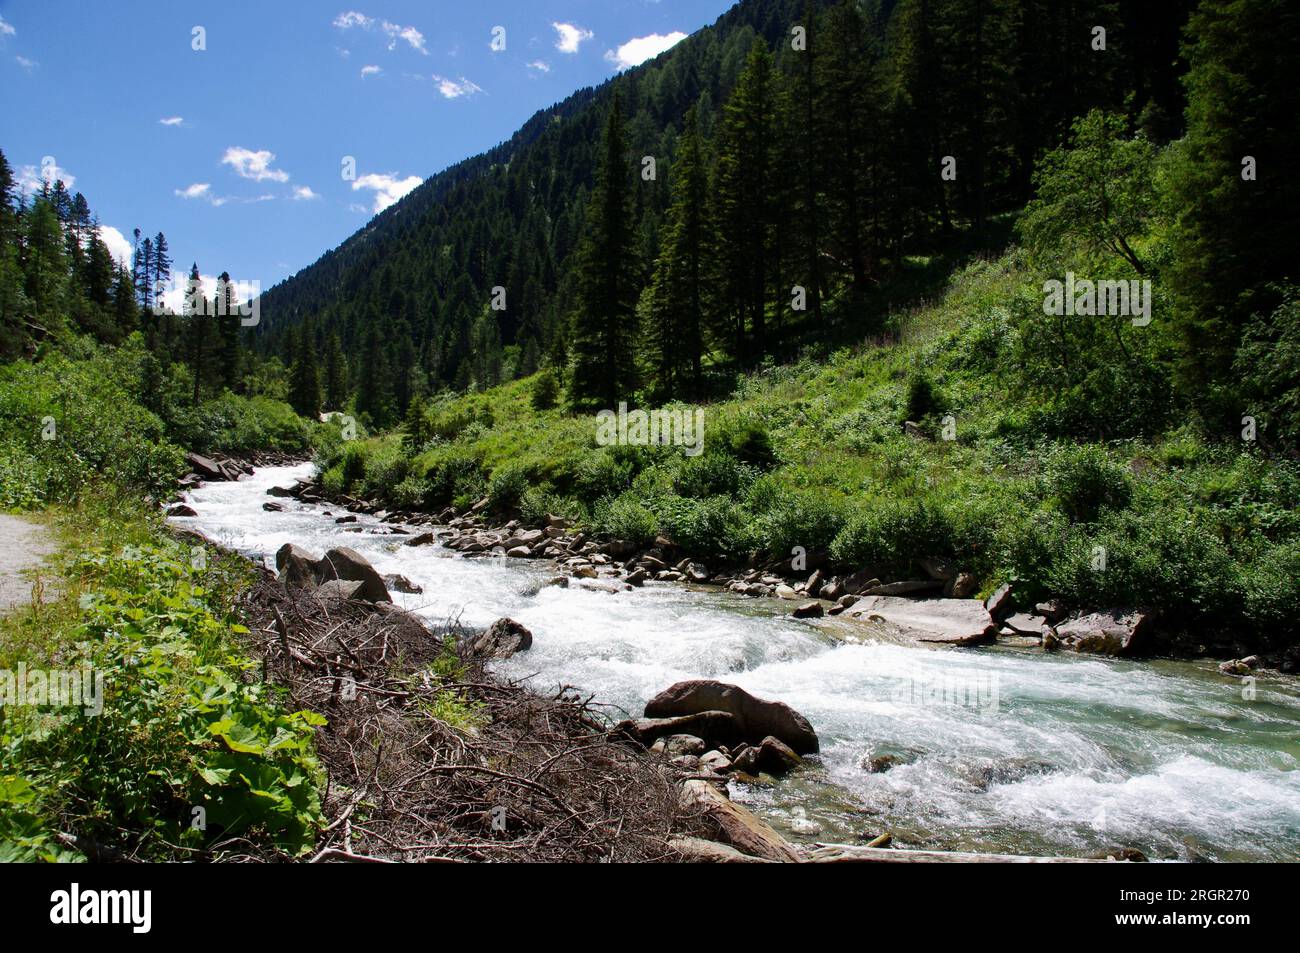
795 143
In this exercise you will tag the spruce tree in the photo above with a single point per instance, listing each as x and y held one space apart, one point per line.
304 378
604 326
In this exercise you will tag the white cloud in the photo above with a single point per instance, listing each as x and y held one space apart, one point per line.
540 65
31 178
118 245
6 29
394 31
304 192
369 71
253 165
569 37
451 89
352 18
408 33
26 64
199 190
387 188
641 48
171 121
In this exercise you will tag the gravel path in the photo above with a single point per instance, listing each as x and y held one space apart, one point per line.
23 546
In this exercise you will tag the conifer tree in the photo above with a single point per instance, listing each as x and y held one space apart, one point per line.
604 327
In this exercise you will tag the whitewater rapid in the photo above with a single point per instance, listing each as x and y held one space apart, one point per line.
998 748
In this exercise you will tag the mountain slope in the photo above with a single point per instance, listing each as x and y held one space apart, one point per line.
408 295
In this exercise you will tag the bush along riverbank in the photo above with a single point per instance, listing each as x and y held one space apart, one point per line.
936 464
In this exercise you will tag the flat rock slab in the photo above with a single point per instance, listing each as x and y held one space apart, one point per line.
946 621
24 547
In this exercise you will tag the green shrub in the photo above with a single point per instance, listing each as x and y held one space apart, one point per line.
181 726
624 517
507 487
1083 481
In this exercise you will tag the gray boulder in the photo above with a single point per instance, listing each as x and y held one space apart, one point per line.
502 639
757 717
344 563
1119 632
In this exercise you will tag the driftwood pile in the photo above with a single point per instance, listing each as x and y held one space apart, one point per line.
522 777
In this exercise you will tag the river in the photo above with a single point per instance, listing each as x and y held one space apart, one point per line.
999 748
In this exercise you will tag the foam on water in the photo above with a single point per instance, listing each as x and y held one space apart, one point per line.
998 749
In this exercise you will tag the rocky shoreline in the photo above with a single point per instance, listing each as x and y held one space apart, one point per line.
938 609
693 739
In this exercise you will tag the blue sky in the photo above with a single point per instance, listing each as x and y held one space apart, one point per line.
237 151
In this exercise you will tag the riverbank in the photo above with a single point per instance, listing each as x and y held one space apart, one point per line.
944 749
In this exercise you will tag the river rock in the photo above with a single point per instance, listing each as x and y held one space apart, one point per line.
947 621
273 507
757 717
855 584
181 509
776 757
206 467
344 563
296 567
906 587
281 491
1026 623
999 604
637 577
809 610
1119 632
502 639
337 590
399 583
714 727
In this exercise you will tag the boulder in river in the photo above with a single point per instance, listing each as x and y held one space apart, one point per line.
757 717
809 610
181 509
296 567
502 639
206 467
344 563
399 583
948 621
714 727
1112 632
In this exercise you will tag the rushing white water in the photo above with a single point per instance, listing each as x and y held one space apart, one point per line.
1000 748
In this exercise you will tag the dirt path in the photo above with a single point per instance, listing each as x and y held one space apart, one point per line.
23 546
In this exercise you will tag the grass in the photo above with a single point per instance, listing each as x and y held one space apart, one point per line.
1039 442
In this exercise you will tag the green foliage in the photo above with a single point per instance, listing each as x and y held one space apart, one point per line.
67 425
624 517
506 488
1084 481
546 390
1096 193
181 725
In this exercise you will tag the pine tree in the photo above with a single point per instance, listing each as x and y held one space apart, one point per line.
304 378
1235 237
197 321
679 294
604 327
745 193
336 375
162 268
